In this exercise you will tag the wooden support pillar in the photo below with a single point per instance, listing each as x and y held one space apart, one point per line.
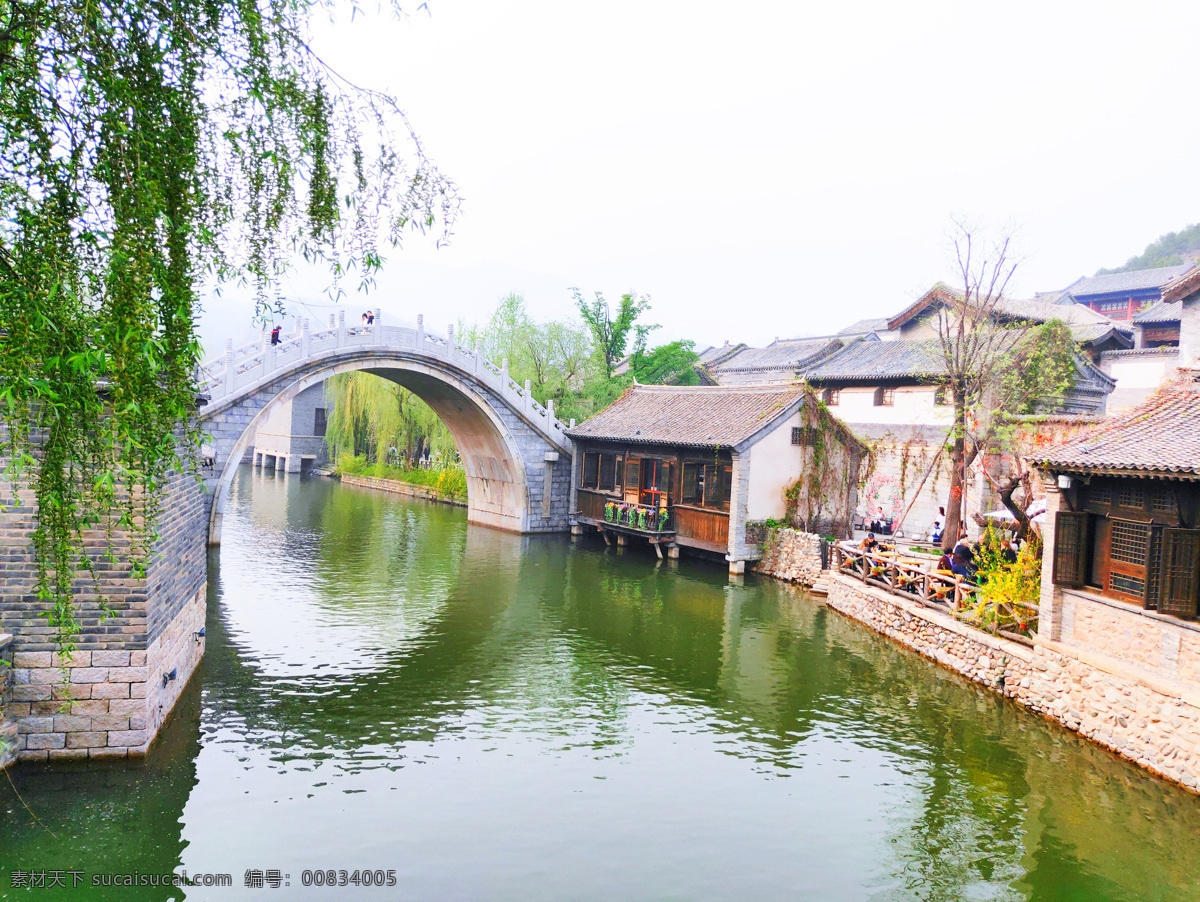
658 549
673 552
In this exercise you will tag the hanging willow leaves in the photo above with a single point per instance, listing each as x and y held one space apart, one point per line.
145 148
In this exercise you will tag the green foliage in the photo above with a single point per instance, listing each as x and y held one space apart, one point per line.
144 147
1008 594
449 480
1168 250
610 337
370 415
669 364
1038 371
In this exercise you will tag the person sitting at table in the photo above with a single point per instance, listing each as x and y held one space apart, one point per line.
869 543
944 562
960 566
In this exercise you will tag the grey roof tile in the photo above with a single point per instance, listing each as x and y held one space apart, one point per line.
787 353
1161 435
1127 281
700 416
865 361
1162 312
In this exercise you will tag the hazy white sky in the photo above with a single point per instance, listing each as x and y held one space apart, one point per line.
769 169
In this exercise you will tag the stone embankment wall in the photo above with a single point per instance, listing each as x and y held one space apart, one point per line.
401 488
791 555
1152 721
8 726
138 644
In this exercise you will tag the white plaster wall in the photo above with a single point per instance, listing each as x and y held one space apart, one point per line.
774 464
1137 377
913 406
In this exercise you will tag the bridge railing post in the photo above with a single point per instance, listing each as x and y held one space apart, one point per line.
268 354
341 329
332 321
528 396
550 413
478 356
227 382
377 328
305 338
504 374
420 331
450 340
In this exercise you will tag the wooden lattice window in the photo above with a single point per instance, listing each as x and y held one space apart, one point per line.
804 435
591 470
833 397
1129 558
941 396
1162 500
1100 494
1070 548
885 397
608 472
1131 496
1180 579
690 490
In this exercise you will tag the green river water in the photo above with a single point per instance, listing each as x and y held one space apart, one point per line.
491 716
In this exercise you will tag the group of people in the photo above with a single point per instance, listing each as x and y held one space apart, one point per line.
368 318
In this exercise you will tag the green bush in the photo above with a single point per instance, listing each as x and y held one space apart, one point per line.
449 482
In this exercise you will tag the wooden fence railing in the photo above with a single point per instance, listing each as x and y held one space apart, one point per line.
908 576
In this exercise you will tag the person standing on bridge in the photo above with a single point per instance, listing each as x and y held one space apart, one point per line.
275 335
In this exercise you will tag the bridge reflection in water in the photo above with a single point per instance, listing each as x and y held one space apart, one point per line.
514 717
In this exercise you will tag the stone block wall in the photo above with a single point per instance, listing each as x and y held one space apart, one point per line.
1152 721
8 726
108 700
791 555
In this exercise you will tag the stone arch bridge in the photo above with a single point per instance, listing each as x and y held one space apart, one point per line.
142 637
515 453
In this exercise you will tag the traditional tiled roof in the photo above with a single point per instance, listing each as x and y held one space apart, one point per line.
719 353
700 416
1037 310
786 354
1162 312
1095 333
871 361
863 326
1042 311
1137 280
1184 286
1160 436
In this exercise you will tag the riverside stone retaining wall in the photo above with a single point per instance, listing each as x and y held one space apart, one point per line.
791 555
1148 719
8 726
110 698
401 488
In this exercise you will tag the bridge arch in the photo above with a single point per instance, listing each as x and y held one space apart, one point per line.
516 457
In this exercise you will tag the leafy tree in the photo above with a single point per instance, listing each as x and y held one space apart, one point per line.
1168 250
669 364
992 370
145 147
611 336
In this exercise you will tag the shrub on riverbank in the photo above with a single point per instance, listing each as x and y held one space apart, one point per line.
449 481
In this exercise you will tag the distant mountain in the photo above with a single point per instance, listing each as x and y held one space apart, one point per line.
1170 249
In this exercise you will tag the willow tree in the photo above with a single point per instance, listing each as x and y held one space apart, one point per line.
144 149
369 415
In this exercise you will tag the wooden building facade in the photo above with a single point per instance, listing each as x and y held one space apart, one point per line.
690 466
1127 526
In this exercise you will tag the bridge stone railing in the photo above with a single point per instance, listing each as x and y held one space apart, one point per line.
242 369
